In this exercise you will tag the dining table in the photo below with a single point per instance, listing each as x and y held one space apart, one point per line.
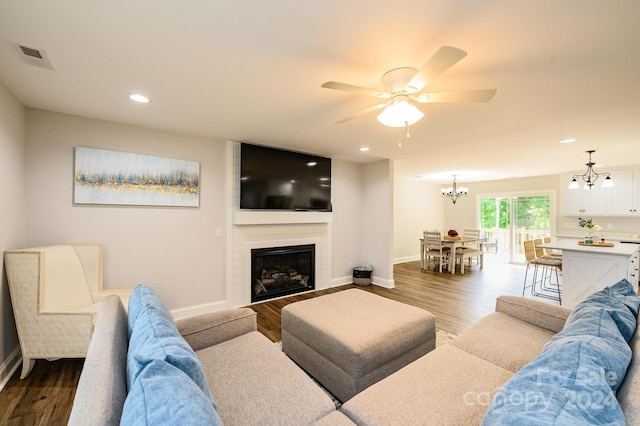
454 243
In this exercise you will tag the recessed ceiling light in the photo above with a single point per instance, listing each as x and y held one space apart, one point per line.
568 140
364 149
137 97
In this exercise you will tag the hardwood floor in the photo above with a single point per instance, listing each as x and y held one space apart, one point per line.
457 300
46 395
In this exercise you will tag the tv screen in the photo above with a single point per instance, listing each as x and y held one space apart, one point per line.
277 179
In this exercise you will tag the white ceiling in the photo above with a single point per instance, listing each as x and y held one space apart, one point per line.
251 70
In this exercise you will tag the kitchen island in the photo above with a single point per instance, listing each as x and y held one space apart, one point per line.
587 269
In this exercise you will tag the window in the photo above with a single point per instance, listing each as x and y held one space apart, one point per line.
510 220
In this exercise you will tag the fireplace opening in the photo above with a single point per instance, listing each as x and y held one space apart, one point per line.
281 271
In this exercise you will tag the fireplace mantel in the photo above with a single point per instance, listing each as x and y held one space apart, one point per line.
258 217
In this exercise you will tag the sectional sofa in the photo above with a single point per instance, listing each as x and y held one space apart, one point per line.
528 361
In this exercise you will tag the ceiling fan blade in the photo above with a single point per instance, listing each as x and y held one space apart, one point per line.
355 89
479 95
444 58
362 112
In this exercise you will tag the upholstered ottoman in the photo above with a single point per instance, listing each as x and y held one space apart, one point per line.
351 339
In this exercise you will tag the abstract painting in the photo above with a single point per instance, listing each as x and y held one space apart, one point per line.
112 177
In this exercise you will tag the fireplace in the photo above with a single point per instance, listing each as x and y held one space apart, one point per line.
281 271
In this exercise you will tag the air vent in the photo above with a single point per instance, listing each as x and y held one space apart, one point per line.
32 56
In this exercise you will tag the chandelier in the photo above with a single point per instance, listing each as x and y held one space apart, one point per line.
454 192
590 176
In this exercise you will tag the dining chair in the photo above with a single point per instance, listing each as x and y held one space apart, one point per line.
467 254
434 249
471 233
551 290
423 248
489 243
469 250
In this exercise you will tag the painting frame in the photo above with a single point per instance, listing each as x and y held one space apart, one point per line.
104 177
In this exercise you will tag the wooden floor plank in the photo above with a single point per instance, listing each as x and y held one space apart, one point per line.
46 395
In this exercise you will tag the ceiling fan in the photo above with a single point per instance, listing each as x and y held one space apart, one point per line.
404 85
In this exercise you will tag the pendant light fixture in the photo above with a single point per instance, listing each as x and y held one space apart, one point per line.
454 192
590 176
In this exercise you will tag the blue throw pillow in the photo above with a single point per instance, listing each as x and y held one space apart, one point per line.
573 380
154 336
619 300
624 291
596 329
562 386
142 296
164 395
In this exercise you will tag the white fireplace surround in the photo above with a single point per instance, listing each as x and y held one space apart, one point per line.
242 279
263 229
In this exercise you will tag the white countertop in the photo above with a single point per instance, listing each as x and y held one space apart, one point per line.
608 235
620 249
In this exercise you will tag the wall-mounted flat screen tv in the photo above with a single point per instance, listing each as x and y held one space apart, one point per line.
276 179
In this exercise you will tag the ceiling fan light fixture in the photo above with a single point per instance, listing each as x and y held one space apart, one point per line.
400 114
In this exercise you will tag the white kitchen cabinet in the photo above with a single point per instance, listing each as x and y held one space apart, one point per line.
583 201
622 199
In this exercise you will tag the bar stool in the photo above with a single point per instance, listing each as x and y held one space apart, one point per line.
548 290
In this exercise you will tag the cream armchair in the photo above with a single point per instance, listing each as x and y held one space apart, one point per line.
56 292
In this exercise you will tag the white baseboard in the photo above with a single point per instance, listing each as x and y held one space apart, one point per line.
336 282
9 367
205 308
406 259
374 280
383 283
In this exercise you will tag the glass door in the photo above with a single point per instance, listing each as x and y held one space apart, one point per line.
507 221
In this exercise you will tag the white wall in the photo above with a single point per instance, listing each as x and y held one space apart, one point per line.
346 228
173 249
176 250
12 220
377 220
417 206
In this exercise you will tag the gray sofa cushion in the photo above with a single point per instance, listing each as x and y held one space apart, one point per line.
254 383
535 312
202 331
503 340
447 386
628 394
105 365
